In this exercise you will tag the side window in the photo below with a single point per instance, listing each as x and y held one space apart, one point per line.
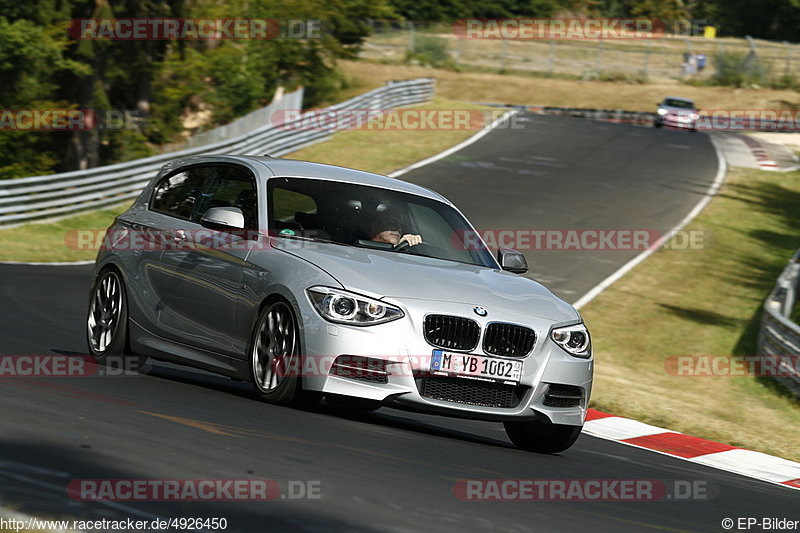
188 194
177 195
229 186
293 210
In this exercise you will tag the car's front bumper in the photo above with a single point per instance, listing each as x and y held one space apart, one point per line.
402 345
679 122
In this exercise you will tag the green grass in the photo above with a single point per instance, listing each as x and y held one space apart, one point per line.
374 150
50 241
704 302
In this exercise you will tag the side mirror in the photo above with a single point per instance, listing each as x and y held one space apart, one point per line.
223 218
512 260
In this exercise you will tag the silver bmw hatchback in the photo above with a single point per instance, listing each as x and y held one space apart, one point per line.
314 281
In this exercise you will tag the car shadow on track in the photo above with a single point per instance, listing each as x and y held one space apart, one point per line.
382 417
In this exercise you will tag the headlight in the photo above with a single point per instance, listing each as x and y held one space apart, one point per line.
574 340
345 307
661 112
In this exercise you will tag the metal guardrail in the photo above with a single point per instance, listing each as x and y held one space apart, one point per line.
620 116
779 337
42 197
708 119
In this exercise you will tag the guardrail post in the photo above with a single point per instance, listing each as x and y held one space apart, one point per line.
503 53
598 60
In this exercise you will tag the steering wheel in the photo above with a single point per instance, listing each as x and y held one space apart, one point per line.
423 248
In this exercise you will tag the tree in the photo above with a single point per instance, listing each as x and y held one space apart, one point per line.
766 19
44 67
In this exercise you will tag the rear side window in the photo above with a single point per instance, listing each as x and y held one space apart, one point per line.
229 186
177 195
189 193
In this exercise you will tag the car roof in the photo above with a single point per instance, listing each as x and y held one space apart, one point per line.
679 98
295 168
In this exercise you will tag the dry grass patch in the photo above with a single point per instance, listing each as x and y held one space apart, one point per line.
531 90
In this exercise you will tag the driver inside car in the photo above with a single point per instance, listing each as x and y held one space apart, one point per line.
390 231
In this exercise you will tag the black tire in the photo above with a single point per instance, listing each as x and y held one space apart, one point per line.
542 437
107 318
275 359
349 404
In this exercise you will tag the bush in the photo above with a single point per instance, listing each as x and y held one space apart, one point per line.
785 82
430 51
625 77
736 69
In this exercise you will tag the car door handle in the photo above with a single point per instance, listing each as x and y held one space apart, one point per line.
178 236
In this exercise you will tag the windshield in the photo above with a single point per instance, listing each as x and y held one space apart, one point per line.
363 216
683 104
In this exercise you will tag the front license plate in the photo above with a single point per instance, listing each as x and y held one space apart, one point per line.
476 366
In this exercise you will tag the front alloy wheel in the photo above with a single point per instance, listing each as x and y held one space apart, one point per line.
275 357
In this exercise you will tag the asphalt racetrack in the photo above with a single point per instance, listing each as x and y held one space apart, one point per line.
390 470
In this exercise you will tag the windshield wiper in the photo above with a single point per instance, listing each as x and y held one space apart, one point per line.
309 239
375 245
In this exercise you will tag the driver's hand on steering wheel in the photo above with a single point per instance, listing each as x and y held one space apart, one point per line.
412 240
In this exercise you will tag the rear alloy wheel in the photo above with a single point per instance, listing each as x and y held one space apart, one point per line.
542 437
107 322
275 357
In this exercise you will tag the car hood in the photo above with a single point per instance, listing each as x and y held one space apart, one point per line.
382 274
